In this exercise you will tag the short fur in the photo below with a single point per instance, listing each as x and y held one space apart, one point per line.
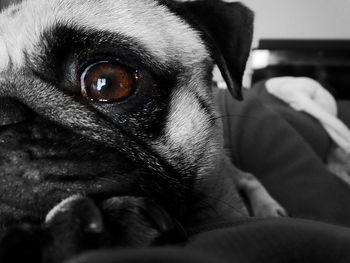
159 152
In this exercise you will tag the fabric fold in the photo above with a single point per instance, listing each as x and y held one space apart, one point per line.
307 95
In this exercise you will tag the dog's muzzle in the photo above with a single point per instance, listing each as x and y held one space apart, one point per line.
42 163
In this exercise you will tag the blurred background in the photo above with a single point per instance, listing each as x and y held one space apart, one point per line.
300 19
302 38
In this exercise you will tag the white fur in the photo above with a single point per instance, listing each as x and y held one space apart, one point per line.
61 207
189 132
166 36
187 124
4 58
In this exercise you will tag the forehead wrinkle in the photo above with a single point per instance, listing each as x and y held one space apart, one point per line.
166 36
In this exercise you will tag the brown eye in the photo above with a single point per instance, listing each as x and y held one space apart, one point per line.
107 82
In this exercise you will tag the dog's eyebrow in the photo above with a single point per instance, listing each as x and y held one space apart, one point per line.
60 43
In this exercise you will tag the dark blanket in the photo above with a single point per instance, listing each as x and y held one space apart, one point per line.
285 150
260 241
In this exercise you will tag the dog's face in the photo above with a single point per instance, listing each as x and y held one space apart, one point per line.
109 97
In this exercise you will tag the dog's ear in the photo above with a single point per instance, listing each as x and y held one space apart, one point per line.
227 28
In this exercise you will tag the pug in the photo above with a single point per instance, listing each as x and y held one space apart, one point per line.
108 105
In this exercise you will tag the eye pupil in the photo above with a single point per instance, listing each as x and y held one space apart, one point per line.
107 82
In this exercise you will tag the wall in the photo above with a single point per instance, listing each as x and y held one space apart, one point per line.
301 18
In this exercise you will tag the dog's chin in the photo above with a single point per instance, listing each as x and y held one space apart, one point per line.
42 164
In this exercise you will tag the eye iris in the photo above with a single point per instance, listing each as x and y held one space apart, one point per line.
106 82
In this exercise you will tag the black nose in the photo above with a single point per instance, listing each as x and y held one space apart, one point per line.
13 112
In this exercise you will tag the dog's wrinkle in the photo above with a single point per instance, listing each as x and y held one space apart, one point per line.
40 160
28 143
44 145
68 113
38 197
168 184
12 112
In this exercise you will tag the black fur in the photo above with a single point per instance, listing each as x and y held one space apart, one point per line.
82 224
42 163
64 48
227 28
107 170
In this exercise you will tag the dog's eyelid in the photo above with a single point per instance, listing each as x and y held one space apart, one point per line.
125 58
67 44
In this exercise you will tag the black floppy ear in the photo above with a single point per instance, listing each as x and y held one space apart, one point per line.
228 30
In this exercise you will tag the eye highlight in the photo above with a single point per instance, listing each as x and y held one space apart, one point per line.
107 82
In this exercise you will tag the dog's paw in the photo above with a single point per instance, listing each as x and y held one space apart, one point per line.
139 222
264 205
78 224
73 226
339 171
270 209
76 213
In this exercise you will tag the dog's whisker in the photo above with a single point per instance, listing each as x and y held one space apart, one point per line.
234 116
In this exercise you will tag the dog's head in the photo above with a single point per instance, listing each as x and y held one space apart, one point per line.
112 97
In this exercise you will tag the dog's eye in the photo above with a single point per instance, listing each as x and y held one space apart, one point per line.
107 82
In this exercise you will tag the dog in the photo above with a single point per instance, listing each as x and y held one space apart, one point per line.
108 105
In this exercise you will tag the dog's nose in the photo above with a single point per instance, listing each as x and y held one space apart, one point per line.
13 112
